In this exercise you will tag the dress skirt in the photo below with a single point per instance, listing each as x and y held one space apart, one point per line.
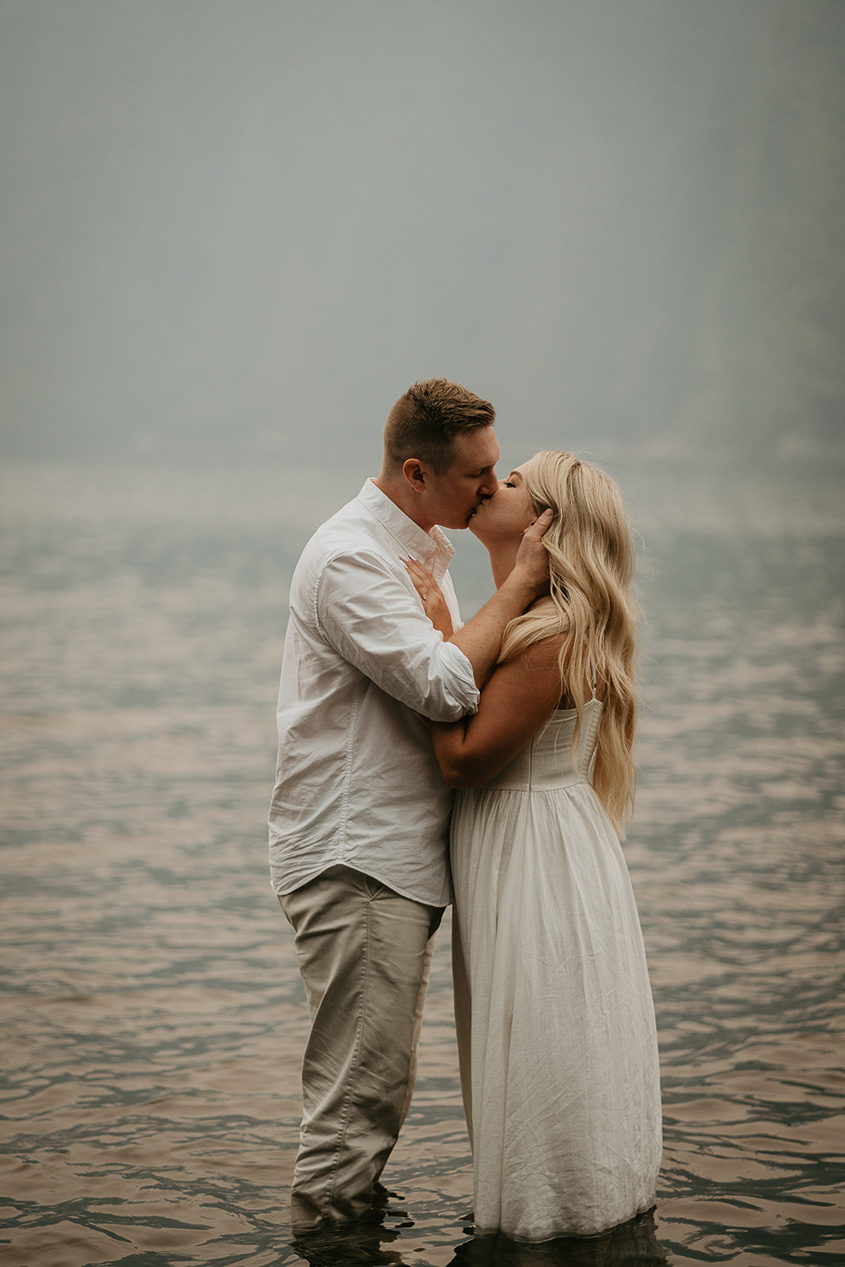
556 1029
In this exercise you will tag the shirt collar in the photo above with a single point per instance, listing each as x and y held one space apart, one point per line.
434 548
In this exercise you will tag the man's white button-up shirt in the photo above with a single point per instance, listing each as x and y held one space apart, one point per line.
357 781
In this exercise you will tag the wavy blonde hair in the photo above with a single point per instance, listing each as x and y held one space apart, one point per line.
591 561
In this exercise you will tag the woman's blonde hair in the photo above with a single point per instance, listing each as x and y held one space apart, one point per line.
591 561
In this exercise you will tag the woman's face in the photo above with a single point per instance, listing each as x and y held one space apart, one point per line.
504 516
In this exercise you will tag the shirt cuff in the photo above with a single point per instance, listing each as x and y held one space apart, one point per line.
460 693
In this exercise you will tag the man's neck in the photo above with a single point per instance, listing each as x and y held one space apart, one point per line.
398 492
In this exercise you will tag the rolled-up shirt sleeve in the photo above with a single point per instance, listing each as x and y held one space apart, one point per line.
372 617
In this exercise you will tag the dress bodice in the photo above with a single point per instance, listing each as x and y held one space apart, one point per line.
547 762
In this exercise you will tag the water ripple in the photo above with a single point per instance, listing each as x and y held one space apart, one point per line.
152 1017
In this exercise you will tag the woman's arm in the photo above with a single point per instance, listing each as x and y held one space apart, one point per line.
518 699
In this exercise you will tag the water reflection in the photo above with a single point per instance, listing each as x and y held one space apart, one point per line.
363 1242
362 1247
633 1244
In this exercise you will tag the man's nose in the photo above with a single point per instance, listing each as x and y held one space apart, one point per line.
490 485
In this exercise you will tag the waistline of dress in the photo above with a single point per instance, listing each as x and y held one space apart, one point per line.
536 782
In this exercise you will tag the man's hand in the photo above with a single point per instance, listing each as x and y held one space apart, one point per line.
481 639
532 560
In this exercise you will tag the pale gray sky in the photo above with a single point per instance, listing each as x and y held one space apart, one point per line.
242 227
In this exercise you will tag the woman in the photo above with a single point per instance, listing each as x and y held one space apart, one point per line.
555 1021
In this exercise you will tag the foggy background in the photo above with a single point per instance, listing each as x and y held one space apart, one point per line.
236 230
232 232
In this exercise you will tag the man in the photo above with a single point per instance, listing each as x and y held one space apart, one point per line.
359 817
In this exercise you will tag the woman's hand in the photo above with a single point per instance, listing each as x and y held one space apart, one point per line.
434 604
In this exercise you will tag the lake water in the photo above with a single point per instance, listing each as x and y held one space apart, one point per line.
152 1018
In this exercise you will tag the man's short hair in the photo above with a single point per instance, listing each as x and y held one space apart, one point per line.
424 422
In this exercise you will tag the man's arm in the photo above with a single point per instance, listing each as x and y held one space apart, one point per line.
369 614
481 638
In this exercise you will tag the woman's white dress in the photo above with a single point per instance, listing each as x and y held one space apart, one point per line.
556 1030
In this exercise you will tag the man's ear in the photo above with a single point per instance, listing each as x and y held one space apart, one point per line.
417 474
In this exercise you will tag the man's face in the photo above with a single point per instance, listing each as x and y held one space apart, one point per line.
504 518
453 497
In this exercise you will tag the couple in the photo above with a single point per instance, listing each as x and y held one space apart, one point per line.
386 703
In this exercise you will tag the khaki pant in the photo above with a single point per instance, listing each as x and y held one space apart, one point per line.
364 954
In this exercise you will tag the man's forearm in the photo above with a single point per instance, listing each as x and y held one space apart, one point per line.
481 638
